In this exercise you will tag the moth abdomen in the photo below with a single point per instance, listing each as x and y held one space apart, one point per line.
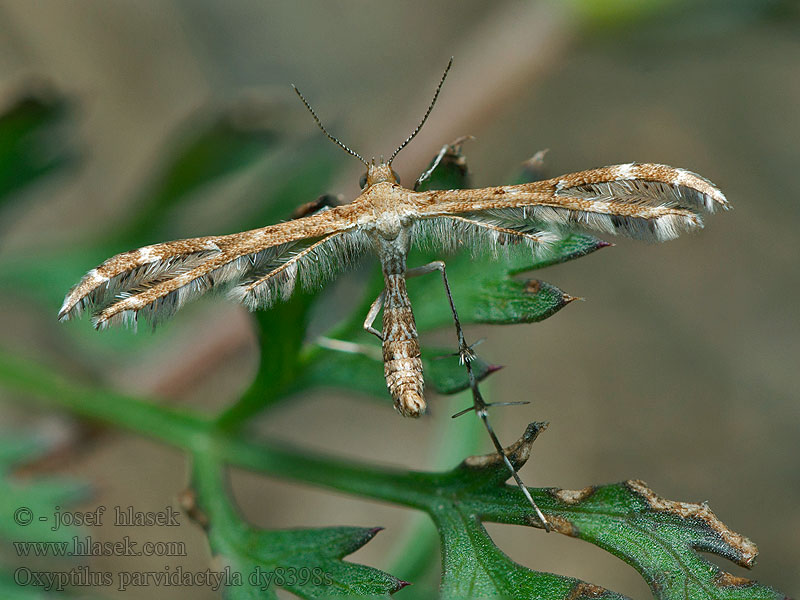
402 365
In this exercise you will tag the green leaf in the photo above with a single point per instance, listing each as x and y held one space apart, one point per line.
484 293
473 567
281 331
447 171
515 301
307 562
658 537
361 370
487 298
31 139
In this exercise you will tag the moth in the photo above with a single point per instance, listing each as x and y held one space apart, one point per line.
259 267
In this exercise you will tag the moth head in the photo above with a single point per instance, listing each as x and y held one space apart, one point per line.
378 173
382 171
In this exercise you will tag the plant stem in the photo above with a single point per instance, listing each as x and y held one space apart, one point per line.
195 433
178 427
418 549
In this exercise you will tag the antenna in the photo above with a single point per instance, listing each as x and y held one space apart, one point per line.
325 131
427 112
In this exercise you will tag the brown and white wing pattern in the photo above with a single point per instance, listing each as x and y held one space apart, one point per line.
311 264
155 281
643 201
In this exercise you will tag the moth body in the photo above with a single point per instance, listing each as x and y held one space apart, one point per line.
261 266
644 201
402 365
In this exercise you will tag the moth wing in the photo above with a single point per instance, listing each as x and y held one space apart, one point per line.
157 280
311 265
643 201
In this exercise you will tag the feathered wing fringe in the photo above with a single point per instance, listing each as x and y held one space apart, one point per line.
158 298
643 201
478 233
649 184
135 270
258 279
311 265
157 280
657 225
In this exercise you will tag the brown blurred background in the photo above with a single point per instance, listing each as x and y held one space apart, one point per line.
680 368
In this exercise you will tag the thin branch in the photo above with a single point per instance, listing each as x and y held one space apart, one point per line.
196 433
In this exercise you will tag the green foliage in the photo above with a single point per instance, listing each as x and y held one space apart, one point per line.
38 496
24 501
304 561
612 12
616 15
31 140
659 538
211 149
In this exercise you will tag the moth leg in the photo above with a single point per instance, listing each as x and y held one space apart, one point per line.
479 405
374 309
465 352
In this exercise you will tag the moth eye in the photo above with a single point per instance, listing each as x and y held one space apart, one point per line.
396 176
363 181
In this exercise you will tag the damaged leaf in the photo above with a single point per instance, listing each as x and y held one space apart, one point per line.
472 565
658 537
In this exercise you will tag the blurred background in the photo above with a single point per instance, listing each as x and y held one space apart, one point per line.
680 368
